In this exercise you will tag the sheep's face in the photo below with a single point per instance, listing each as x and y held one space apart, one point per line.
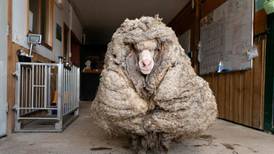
146 52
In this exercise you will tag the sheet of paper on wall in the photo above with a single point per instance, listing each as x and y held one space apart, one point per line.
226 35
184 40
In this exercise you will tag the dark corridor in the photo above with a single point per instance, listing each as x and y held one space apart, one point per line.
93 56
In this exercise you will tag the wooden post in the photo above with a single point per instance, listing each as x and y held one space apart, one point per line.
195 62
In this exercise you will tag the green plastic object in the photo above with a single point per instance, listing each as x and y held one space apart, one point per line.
269 6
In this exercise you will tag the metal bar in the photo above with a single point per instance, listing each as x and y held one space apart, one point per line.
39 86
37 64
72 88
38 108
25 86
22 103
39 89
38 118
49 86
39 83
68 93
24 83
36 89
17 99
74 109
39 131
30 86
43 88
45 85
65 91
77 87
68 90
60 93
72 82
32 83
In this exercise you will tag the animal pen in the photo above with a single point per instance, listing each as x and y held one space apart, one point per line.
47 96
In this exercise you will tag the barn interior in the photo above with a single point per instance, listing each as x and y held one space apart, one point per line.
237 35
240 94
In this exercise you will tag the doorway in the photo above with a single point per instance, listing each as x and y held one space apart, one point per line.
269 80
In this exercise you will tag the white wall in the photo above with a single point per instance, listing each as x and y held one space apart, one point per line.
72 21
3 66
67 13
57 45
20 27
19 22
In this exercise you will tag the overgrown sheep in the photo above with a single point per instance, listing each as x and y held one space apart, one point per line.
148 89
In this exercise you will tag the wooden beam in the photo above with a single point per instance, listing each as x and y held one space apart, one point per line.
210 5
10 78
196 35
260 22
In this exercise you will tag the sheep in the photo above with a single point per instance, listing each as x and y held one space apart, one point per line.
148 89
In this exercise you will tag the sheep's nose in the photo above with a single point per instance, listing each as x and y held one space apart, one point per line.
146 62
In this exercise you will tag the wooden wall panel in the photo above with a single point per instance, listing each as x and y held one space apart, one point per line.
260 24
239 95
75 50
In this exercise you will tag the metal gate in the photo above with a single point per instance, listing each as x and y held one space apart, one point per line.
3 67
47 96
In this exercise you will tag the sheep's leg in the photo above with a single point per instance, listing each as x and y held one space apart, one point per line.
152 143
136 144
156 143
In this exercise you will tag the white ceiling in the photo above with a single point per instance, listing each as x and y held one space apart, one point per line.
100 18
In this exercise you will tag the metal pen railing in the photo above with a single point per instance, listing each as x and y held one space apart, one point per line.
45 92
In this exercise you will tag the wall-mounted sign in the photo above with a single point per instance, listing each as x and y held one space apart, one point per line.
227 36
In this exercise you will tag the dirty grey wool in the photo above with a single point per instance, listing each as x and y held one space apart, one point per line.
170 103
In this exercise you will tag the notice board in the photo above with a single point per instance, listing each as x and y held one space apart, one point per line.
226 36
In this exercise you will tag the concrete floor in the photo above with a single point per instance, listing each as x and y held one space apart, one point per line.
83 137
